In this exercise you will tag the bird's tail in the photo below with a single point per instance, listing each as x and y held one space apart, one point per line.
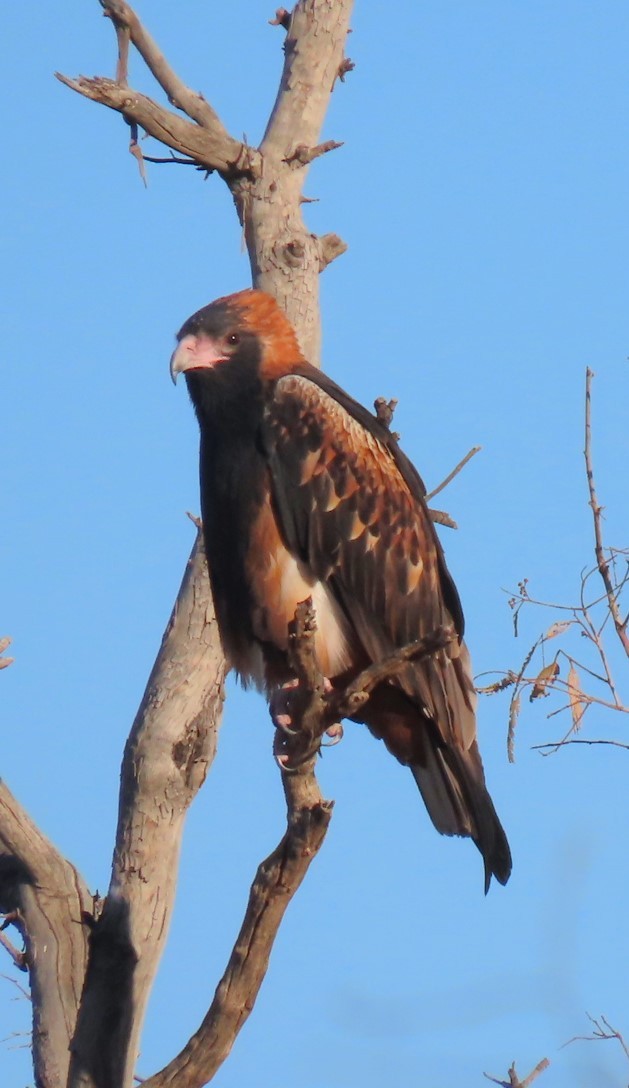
452 785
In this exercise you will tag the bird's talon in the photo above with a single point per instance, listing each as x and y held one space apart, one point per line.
284 722
335 733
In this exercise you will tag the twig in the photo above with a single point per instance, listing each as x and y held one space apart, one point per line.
179 95
455 472
514 1081
282 18
507 681
344 67
589 629
347 702
330 247
136 151
606 1032
122 66
441 518
5 661
555 745
385 410
302 155
19 958
514 705
18 985
603 566
174 159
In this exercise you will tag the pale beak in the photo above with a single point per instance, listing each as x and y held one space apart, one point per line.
195 353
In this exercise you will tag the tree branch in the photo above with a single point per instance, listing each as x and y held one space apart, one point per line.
211 150
514 1080
275 883
279 877
46 897
179 95
601 561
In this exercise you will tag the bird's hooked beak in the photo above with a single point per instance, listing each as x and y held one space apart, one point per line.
195 353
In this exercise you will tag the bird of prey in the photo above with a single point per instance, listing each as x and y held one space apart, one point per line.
305 493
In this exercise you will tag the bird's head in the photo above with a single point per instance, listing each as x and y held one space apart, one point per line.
247 332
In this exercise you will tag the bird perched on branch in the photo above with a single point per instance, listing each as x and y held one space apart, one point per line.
304 493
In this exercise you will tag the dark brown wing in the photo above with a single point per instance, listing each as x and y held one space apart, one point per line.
350 511
351 506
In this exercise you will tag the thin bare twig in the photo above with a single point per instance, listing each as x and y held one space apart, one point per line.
19 958
179 95
122 66
514 1081
591 632
347 702
555 745
514 705
174 160
18 985
455 472
136 151
602 1031
603 565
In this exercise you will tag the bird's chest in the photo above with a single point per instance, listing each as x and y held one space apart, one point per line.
257 582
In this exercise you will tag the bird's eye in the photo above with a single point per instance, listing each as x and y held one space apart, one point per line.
233 339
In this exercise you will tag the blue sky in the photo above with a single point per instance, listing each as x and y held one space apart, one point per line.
482 190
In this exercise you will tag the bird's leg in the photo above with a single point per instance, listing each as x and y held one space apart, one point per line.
280 706
288 706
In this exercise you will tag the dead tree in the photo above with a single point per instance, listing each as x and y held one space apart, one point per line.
92 962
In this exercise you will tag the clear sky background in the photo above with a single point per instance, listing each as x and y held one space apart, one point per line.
483 190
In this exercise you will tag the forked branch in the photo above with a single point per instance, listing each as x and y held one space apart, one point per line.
514 1080
278 877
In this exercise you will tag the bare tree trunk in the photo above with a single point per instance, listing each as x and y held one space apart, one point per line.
112 955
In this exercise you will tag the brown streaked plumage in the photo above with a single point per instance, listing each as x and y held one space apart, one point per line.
305 493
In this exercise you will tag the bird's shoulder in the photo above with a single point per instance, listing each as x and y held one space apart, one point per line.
308 411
